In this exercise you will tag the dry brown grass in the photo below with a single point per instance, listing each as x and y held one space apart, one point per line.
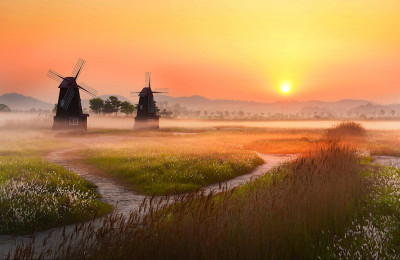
346 129
279 216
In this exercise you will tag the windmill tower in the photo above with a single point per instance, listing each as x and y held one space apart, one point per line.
146 111
69 115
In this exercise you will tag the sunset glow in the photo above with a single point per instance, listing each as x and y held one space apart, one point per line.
217 49
286 87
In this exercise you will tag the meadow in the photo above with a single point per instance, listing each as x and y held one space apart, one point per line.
171 165
36 194
333 201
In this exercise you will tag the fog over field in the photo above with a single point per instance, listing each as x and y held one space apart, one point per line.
45 120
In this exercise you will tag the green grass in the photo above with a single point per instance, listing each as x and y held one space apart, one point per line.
375 233
29 144
168 171
331 204
278 217
37 195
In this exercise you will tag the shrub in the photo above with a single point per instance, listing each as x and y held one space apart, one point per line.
346 129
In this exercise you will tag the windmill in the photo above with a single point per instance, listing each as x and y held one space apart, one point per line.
146 112
69 113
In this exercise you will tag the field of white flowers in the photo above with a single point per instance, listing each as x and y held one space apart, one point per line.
375 234
35 195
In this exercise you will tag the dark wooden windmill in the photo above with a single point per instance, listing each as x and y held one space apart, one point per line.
69 115
147 116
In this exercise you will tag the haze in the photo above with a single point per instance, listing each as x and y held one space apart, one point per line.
327 50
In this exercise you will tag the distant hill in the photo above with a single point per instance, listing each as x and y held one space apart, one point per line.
369 109
18 102
202 103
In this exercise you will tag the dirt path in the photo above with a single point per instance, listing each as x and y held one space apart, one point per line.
387 160
116 193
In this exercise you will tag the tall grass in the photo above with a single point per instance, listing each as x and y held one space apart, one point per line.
346 129
291 212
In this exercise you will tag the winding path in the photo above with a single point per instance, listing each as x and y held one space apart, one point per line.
387 160
118 195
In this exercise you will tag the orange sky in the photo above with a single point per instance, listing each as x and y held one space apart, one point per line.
328 50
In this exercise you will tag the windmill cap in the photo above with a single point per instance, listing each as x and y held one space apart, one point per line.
68 82
145 92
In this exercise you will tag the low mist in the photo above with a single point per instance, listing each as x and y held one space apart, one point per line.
12 120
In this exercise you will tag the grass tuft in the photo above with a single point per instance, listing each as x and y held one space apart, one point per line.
346 129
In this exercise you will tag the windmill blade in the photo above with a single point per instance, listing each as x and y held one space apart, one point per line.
78 68
85 87
161 89
159 92
147 80
54 75
134 93
68 98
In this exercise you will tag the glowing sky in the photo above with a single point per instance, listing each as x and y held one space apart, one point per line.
327 50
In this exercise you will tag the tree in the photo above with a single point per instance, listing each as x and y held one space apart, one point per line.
177 109
127 108
54 109
227 114
393 112
4 108
156 107
166 113
111 105
96 105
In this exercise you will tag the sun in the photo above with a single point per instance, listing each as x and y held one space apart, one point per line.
286 87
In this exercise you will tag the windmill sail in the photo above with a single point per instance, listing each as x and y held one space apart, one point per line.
88 89
55 76
68 98
78 68
147 79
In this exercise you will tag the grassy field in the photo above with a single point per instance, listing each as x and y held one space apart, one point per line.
171 166
375 232
37 195
170 162
29 143
331 202
294 212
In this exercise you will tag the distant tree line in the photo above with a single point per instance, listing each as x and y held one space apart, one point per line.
4 108
111 105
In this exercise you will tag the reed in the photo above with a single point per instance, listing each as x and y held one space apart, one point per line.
346 129
291 212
